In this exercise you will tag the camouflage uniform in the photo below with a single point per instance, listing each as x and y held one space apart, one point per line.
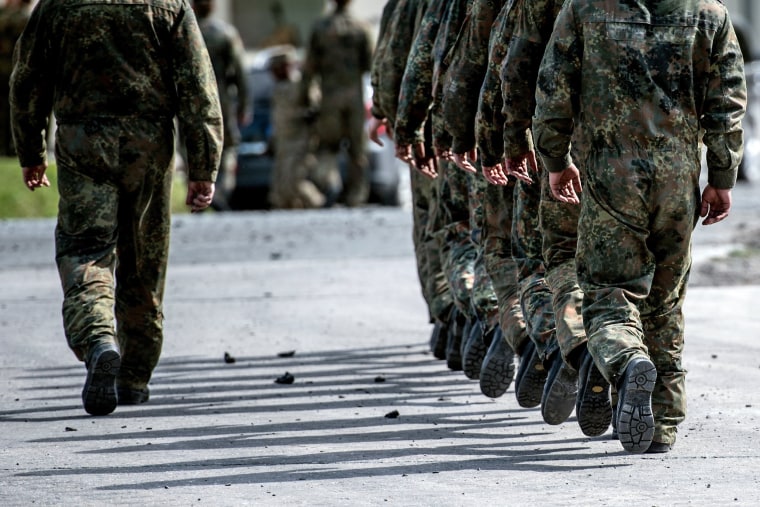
12 23
650 82
498 201
557 221
415 84
399 25
115 89
467 64
339 53
419 105
225 48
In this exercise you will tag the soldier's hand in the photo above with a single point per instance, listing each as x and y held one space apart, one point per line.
373 129
199 195
495 174
35 177
521 166
443 154
716 203
424 163
566 185
462 160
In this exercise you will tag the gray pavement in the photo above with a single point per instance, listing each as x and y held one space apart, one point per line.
339 288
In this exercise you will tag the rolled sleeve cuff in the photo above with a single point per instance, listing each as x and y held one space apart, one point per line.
556 165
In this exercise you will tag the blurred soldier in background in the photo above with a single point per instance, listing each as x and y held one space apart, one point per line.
226 51
284 33
293 140
338 54
13 19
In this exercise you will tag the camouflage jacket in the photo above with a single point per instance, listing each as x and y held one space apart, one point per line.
632 76
398 27
468 61
417 82
338 54
444 42
226 51
489 121
534 21
89 61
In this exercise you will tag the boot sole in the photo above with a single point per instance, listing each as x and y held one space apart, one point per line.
559 396
635 419
473 352
497 370
99 393
529 388
594 410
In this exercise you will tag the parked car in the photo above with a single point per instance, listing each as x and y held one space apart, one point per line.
256 159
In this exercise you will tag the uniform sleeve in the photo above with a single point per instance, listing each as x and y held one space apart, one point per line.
467 69
31 90
379 58
489 120
199 115
239 76
415 95
723 109
533 27
558 87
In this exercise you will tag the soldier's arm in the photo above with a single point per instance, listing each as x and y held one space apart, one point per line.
199 115
488 122
467 69
240 78
724 108
31 91
533 27
416 85
557 92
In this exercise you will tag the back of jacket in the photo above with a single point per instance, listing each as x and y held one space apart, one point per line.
646 72
114 59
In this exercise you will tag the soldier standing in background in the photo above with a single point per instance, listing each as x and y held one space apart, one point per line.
338 54
226 51
293 140
13 19
116 75
284 33
647 84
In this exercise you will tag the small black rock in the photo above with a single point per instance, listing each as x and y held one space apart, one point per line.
228 358
392 415
285 379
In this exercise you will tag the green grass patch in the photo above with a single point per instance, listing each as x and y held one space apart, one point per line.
745 253
16 201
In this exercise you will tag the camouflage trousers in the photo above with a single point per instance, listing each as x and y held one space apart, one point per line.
112 238
634 240
341 124
559 228
483 299
527 250
499 264
426 231
459 252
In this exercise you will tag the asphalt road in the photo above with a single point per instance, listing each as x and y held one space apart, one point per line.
338 290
